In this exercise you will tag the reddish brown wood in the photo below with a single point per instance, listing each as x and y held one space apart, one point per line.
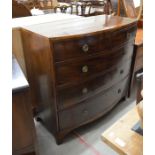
23 131
19 10
93 107
59 64
73 71
70 96
70 48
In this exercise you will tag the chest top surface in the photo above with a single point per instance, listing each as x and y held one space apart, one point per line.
32 20
80 26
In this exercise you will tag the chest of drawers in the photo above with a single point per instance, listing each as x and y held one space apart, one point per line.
78 69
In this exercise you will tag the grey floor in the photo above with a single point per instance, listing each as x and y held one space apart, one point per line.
90 134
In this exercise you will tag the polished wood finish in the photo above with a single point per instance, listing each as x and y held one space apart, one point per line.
73 72
91 87
93 107
17 44
66 56
23 132
81 27
122 138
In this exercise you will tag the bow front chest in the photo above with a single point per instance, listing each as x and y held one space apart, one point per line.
78 69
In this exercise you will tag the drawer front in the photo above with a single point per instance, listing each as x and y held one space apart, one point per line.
75 71
120 36
84 46
77 93
92 108
79 47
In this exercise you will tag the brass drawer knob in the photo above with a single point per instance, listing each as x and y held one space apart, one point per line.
119 91
85 69
84 90
121 71
85 112
85 48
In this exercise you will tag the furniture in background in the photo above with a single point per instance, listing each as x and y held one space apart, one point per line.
80 68
19 10
64 8
102 6
132 11
122 138
23 131
47 4
91 7
29 4
83 8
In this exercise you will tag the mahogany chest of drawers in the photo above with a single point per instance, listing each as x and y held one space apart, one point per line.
78 69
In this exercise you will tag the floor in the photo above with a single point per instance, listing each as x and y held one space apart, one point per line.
85 140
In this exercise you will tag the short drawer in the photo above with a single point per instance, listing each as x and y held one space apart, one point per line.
122 36
77 93
93 107
75 71
79 47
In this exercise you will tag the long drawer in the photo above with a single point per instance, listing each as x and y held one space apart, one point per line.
77 93
82 69
121 36
83 46
93 107
77 47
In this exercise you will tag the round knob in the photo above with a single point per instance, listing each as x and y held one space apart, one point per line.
85 69
85 112
84 90
121 71
119 91
85 48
